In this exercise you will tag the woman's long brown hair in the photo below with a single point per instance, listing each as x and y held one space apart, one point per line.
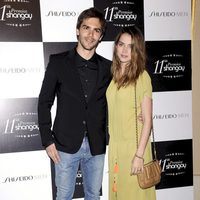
138 59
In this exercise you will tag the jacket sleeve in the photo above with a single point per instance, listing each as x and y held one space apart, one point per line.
45 102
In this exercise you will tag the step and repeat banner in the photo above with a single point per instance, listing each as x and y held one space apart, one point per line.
31 30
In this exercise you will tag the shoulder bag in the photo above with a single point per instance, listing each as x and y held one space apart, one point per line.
151 175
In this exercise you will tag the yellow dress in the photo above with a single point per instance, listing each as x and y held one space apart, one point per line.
122 143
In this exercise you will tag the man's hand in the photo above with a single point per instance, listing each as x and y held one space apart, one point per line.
53 153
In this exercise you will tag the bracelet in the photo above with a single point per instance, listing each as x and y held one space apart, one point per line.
139 157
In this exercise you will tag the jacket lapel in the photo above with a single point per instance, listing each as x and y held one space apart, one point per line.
99 81
73 75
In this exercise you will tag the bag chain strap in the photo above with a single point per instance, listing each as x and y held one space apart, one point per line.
136 125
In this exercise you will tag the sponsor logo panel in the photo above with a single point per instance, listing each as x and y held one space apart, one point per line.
59 20
169 64
21 70
172 20
120 14
20 20
19 130
176 163
23 176
172 115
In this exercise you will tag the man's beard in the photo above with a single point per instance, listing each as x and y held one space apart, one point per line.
90 47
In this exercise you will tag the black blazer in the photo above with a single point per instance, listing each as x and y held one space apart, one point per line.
62 80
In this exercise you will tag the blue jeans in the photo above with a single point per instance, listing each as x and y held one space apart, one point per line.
66 171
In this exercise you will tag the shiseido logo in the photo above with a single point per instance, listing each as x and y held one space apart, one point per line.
168 14
170 66
22 125
171 116
173 164
119 14
15 179
11 16
19 70
54 13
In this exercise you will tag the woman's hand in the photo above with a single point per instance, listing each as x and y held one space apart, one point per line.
140 118
137 165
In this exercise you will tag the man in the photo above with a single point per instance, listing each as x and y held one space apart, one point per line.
79 79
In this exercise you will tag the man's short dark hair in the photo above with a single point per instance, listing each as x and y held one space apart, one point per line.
92 13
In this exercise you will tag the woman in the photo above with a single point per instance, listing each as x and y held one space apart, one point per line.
125 159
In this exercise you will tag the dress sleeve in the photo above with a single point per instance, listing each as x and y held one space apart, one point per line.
146 85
